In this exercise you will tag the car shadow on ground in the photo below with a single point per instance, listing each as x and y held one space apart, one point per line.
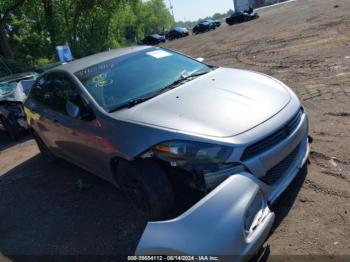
50 209
284 204
286 201
7 142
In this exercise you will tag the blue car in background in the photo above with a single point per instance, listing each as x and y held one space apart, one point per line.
241 17
154 39
213 23
203 27
177 32
217 23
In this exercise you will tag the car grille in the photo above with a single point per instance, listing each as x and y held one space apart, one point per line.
275 173
272 140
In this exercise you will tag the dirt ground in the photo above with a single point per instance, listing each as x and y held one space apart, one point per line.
306 44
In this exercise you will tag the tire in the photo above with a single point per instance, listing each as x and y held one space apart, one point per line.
13 129
147 186
44 150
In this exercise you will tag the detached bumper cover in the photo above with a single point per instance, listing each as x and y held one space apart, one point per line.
213 226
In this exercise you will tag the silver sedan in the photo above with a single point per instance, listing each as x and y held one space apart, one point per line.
151 120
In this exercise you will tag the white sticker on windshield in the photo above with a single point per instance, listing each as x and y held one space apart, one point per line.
159 54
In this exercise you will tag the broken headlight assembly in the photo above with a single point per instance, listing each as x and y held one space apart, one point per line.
206 159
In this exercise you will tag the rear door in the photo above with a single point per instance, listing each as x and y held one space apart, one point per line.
38 114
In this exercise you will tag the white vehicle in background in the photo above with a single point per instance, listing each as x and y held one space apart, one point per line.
13 91
242 5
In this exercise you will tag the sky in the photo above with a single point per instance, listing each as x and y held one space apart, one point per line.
192 10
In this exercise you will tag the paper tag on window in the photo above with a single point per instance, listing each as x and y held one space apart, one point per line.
159 54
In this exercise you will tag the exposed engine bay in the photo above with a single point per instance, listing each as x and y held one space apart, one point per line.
12 116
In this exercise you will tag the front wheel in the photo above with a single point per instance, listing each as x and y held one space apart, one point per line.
147 186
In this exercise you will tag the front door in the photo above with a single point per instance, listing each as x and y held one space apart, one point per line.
71 138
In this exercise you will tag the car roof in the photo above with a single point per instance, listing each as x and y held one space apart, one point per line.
79 64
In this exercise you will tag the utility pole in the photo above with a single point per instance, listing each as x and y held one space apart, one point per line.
172 9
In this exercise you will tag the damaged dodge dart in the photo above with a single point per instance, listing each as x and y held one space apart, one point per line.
151 120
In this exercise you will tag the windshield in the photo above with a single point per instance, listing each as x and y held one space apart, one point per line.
7 89
137 75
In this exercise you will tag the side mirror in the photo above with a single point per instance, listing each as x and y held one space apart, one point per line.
200 59
72 109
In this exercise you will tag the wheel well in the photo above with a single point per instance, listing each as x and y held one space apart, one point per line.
175 175
114 163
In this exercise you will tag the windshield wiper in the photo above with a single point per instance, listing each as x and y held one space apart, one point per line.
188 77
181 80
133 102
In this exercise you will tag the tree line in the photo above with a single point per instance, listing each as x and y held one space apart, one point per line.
30 29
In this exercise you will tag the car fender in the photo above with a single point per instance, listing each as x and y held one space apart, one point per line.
213 226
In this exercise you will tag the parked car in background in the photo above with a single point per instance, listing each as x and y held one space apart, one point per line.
177 32
217 23
240 17
13 91
202 27
213 23
154 39
135 117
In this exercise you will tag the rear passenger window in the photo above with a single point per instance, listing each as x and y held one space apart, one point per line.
53 91
59 90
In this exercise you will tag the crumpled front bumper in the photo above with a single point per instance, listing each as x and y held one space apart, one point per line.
213 226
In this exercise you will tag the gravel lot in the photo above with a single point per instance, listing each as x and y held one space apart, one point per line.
306 44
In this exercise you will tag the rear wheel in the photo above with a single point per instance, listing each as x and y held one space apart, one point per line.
147 186
44 150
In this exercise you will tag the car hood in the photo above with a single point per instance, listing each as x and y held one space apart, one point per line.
222 103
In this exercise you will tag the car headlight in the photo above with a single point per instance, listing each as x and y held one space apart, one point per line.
192 156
